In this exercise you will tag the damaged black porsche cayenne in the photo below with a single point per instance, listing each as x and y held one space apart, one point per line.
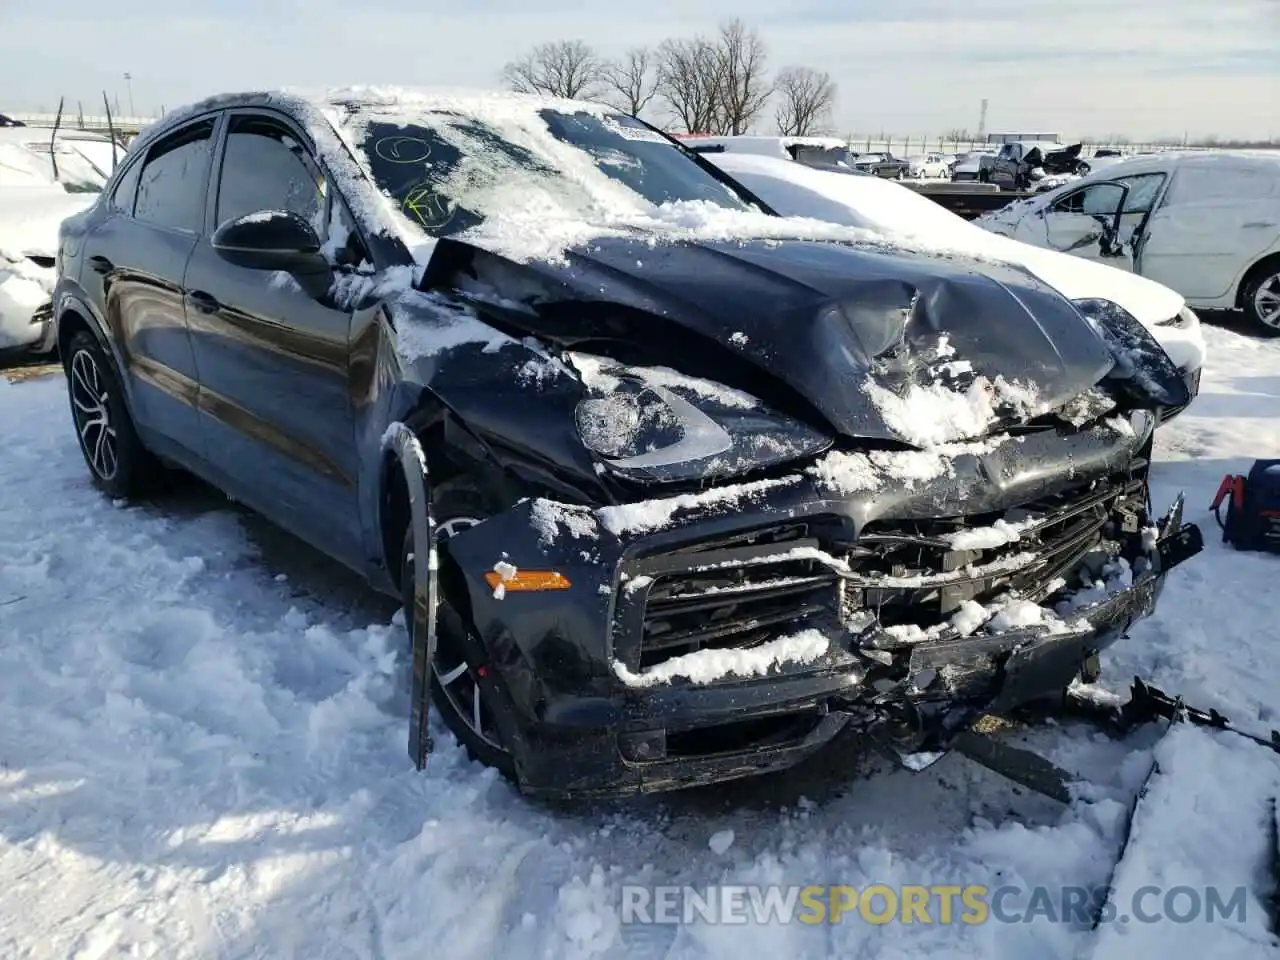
700 486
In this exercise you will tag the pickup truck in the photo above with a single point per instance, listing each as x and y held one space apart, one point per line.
1018 165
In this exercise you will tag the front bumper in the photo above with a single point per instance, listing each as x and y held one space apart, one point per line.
26 312
574 665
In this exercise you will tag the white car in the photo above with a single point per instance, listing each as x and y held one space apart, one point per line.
934 166
893 210
1205 224
43 180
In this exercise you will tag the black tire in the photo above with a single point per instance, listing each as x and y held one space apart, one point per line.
452 500
119 464
1265 275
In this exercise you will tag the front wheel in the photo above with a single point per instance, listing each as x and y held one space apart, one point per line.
467 703
118 462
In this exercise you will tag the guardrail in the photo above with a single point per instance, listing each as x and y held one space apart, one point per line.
124 125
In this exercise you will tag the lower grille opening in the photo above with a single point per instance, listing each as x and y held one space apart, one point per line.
733 607
742 735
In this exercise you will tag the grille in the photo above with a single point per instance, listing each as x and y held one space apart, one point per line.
911 573
743 591
727 594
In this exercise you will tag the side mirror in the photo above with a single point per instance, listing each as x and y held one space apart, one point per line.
271 240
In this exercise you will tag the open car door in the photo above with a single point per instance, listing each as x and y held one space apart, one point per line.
1087 222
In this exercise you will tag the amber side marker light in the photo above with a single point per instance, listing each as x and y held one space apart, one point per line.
526 581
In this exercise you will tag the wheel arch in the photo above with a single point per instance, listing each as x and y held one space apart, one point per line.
1270 261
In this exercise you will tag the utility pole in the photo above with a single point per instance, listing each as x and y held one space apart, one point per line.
128 82
982 121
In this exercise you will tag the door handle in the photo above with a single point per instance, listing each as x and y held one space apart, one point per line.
202 302
1259 225
101 265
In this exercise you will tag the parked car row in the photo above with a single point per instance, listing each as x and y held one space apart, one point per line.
656 425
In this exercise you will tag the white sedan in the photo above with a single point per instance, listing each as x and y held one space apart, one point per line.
932 166
1205 224
892 210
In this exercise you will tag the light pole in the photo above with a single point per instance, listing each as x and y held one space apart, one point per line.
128 82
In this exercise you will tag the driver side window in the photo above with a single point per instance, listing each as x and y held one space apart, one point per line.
264 167
1101 199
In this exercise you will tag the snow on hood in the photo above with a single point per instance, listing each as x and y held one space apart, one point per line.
901 215
30 217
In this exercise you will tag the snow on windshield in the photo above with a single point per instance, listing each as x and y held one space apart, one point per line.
529 177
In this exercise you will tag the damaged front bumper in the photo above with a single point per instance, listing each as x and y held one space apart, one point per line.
732 633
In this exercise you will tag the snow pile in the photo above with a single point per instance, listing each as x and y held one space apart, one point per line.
938 413
998 534
708 666
550 519
648 515
846 473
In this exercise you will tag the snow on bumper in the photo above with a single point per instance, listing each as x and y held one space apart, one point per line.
731 609
25 288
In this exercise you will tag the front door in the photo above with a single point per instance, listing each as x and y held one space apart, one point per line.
274 360
1087 222
134 269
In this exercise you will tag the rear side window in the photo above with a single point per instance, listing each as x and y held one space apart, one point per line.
264 167
126 190
1201 183
171 187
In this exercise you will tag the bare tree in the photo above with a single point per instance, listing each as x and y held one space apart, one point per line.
745 88
807 97
633 79
565 68
689 81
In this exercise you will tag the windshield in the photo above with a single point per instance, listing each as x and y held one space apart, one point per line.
449 171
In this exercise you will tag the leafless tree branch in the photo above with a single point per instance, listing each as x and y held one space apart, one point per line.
565 68
633 79
745 88
806 97
689 82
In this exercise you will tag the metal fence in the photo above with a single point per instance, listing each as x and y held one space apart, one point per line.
857 142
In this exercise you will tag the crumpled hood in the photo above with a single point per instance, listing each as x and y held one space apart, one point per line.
884 345
30 217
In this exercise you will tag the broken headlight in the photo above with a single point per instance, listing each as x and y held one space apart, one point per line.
650 423
1141 365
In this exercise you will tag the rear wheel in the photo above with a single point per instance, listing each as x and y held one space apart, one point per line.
118 462
458 688
1260 298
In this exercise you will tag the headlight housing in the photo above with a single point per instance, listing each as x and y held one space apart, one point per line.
1185 319
654 424
1141 364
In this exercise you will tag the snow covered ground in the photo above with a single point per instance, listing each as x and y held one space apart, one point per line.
202 754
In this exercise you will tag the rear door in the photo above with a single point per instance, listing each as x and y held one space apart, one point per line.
135 260
273 360
1218 215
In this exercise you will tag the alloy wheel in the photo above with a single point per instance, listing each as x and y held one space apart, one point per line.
1266 301
457 678
92 414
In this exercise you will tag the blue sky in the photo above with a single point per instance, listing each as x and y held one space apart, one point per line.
907 67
